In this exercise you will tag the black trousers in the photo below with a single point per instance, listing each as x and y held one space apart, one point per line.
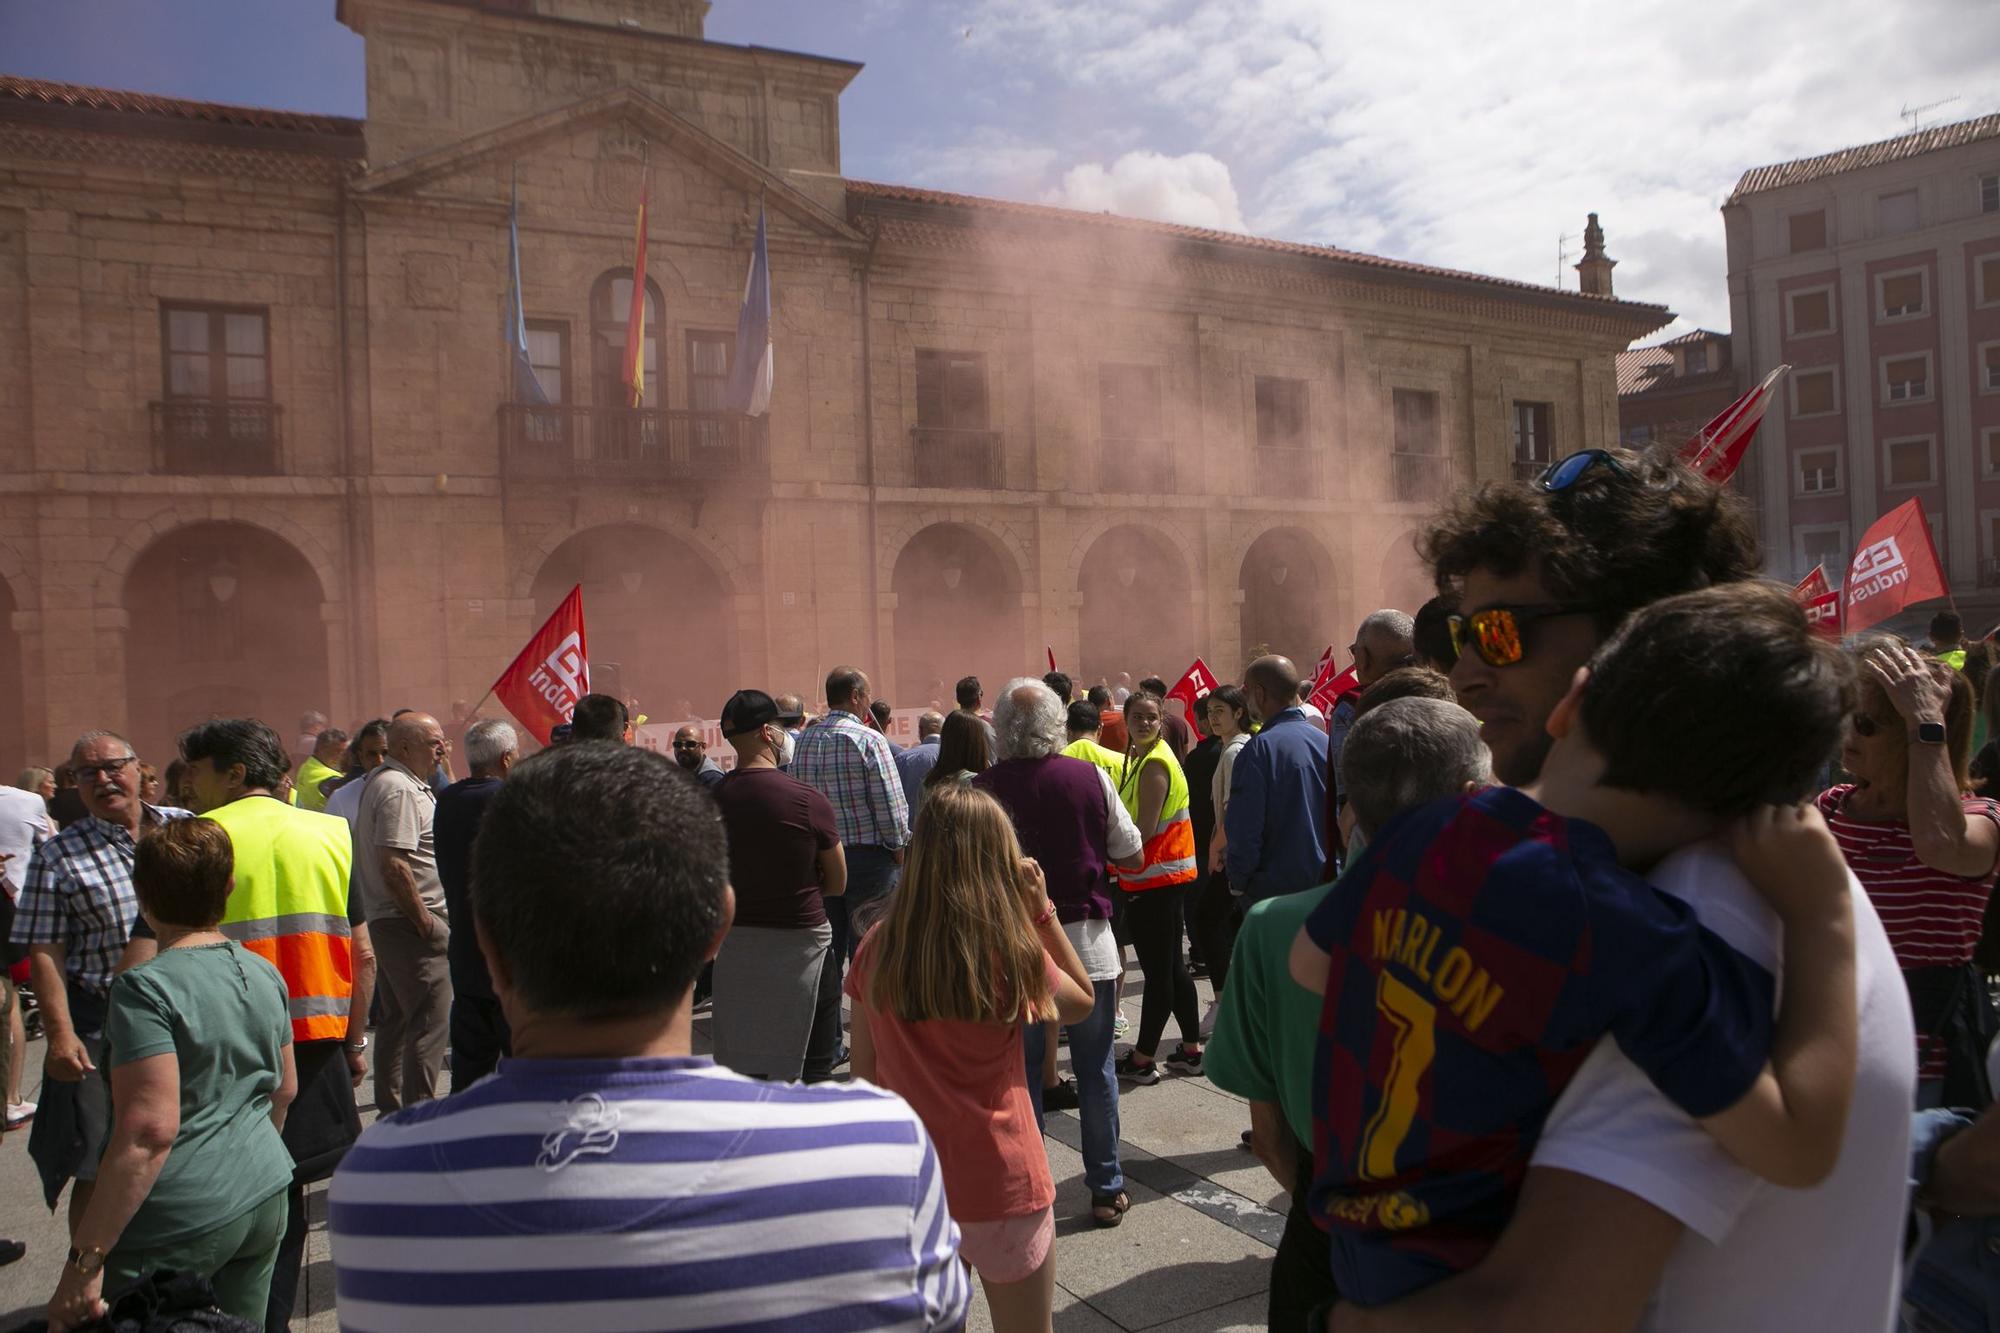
479 1037
1302 1269
823 1043
1153 921
1216 917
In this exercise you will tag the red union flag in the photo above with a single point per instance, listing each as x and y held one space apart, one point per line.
1718 448
1329 684
1821 603
1191 689
1053 668
542 686
1895 566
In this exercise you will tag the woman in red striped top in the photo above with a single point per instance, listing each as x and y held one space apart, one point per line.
1925 851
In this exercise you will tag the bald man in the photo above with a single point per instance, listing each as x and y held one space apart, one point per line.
691 753
395 871
1276 821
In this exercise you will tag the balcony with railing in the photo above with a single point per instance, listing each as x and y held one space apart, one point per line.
957 459
1284 473
1135 467
624 444
1419 478
196 436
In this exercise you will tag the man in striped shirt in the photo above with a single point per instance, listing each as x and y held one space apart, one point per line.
603 1178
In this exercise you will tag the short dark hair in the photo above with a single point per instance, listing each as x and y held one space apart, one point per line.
181 872
604 852
331 736
228 741
1410 682
1099 695
1154 686
841 684
1723 699
967 692
1946 625
880 708
1083 716
599 717
1064 687
1431 634
1620 538
376 728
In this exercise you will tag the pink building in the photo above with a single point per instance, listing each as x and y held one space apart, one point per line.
1875 272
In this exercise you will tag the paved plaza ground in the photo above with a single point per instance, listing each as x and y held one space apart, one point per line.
1191 1256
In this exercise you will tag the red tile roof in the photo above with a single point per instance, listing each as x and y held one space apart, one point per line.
82 97
1642 368
1759 179
1698 335
865 191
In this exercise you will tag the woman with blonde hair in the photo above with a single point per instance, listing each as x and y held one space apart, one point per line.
968 952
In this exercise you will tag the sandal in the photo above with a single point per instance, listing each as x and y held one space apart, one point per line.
1108 1210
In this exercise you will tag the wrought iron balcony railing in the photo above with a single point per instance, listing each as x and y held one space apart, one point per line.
216 437
645 444
1296 474
958 459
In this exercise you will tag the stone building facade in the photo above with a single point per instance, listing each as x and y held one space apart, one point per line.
262 455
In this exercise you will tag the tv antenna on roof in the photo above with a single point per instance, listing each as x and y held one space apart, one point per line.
1912 113
1562 255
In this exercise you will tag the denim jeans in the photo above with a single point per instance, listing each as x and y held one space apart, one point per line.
1096 1087
871 874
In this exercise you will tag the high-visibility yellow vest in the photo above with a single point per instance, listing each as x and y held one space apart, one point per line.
1169 851
306 793
289 905
1088 750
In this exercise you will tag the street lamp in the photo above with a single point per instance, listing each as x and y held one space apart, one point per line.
222 580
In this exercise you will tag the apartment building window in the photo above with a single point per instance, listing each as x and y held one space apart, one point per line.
216 413
1534 446
1825 547
1896 213
1419 470
1989 367
1806 231
1991 520
1989 453
1819 471
1989 193
951 390
1899 295
1909 462
216 352
1417 429
1695 359
1128 402
1281 413
1906 379
1814 392
1989 280
1809 312
708 370
548 357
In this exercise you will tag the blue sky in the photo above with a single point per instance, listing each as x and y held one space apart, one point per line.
1475 138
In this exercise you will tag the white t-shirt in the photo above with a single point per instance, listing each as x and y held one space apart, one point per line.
1758 1258
1092 940
24 821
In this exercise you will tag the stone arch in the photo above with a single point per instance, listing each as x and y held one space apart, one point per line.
118 563
659 615
958 612
1088 536
1137 603
1287 579
530 556
222 617
895 538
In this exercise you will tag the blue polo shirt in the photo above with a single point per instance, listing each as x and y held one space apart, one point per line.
1276 820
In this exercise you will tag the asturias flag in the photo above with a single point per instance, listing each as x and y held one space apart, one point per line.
1821 603
750 372
1895 566
527 389
553 672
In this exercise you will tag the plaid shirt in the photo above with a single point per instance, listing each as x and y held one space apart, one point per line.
78 893
854 766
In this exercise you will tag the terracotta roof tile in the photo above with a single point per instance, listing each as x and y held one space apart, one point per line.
865 191
82 97
1642 368
1698 335
1759 179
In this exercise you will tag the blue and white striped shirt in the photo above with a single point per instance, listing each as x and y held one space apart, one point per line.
645 1194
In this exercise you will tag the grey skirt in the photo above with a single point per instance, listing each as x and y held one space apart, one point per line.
766 984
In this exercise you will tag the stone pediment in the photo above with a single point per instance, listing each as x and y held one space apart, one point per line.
633 132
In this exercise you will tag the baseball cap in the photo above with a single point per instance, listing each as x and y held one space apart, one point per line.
748 710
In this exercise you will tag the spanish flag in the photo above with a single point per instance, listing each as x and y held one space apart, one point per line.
635 319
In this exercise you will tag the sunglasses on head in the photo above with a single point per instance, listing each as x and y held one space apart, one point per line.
1567 472
1498 633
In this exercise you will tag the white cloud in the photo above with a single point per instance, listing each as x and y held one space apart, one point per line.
1474 133
1193 189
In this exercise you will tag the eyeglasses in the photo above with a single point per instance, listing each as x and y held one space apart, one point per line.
1497 633
1566 473
110 768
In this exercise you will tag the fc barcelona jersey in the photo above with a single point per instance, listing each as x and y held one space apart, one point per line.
1478 949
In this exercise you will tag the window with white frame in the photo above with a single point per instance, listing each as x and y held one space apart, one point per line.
1896 213
1815 393
1819 471
1910 461
1902 295
1989 192
1825 547
1989 280
1809 311
1989 367
1906 379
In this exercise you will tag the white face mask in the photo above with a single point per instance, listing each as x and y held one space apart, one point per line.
784 747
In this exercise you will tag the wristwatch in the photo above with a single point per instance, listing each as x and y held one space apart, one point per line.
88 1260
1929 733
361 1045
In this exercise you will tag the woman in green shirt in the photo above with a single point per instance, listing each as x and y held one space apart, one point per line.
198 1049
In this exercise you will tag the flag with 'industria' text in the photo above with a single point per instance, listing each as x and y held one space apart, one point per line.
553 672
1894 567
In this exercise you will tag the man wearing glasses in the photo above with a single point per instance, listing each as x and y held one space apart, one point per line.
395 870
75 917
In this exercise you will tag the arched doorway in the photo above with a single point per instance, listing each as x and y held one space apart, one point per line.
224 621
1406 581
1138 608
958 613
14 741
655 615
1285 579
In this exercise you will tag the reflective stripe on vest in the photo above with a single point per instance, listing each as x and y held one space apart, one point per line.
1169 852
289 906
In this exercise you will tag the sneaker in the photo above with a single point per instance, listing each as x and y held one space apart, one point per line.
1062 1097
19 1114
11 1252
1208 1019
1245 1143
1121 1027
1183 1061
1129 1070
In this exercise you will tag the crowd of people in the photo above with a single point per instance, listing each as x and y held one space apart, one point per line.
1614 954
